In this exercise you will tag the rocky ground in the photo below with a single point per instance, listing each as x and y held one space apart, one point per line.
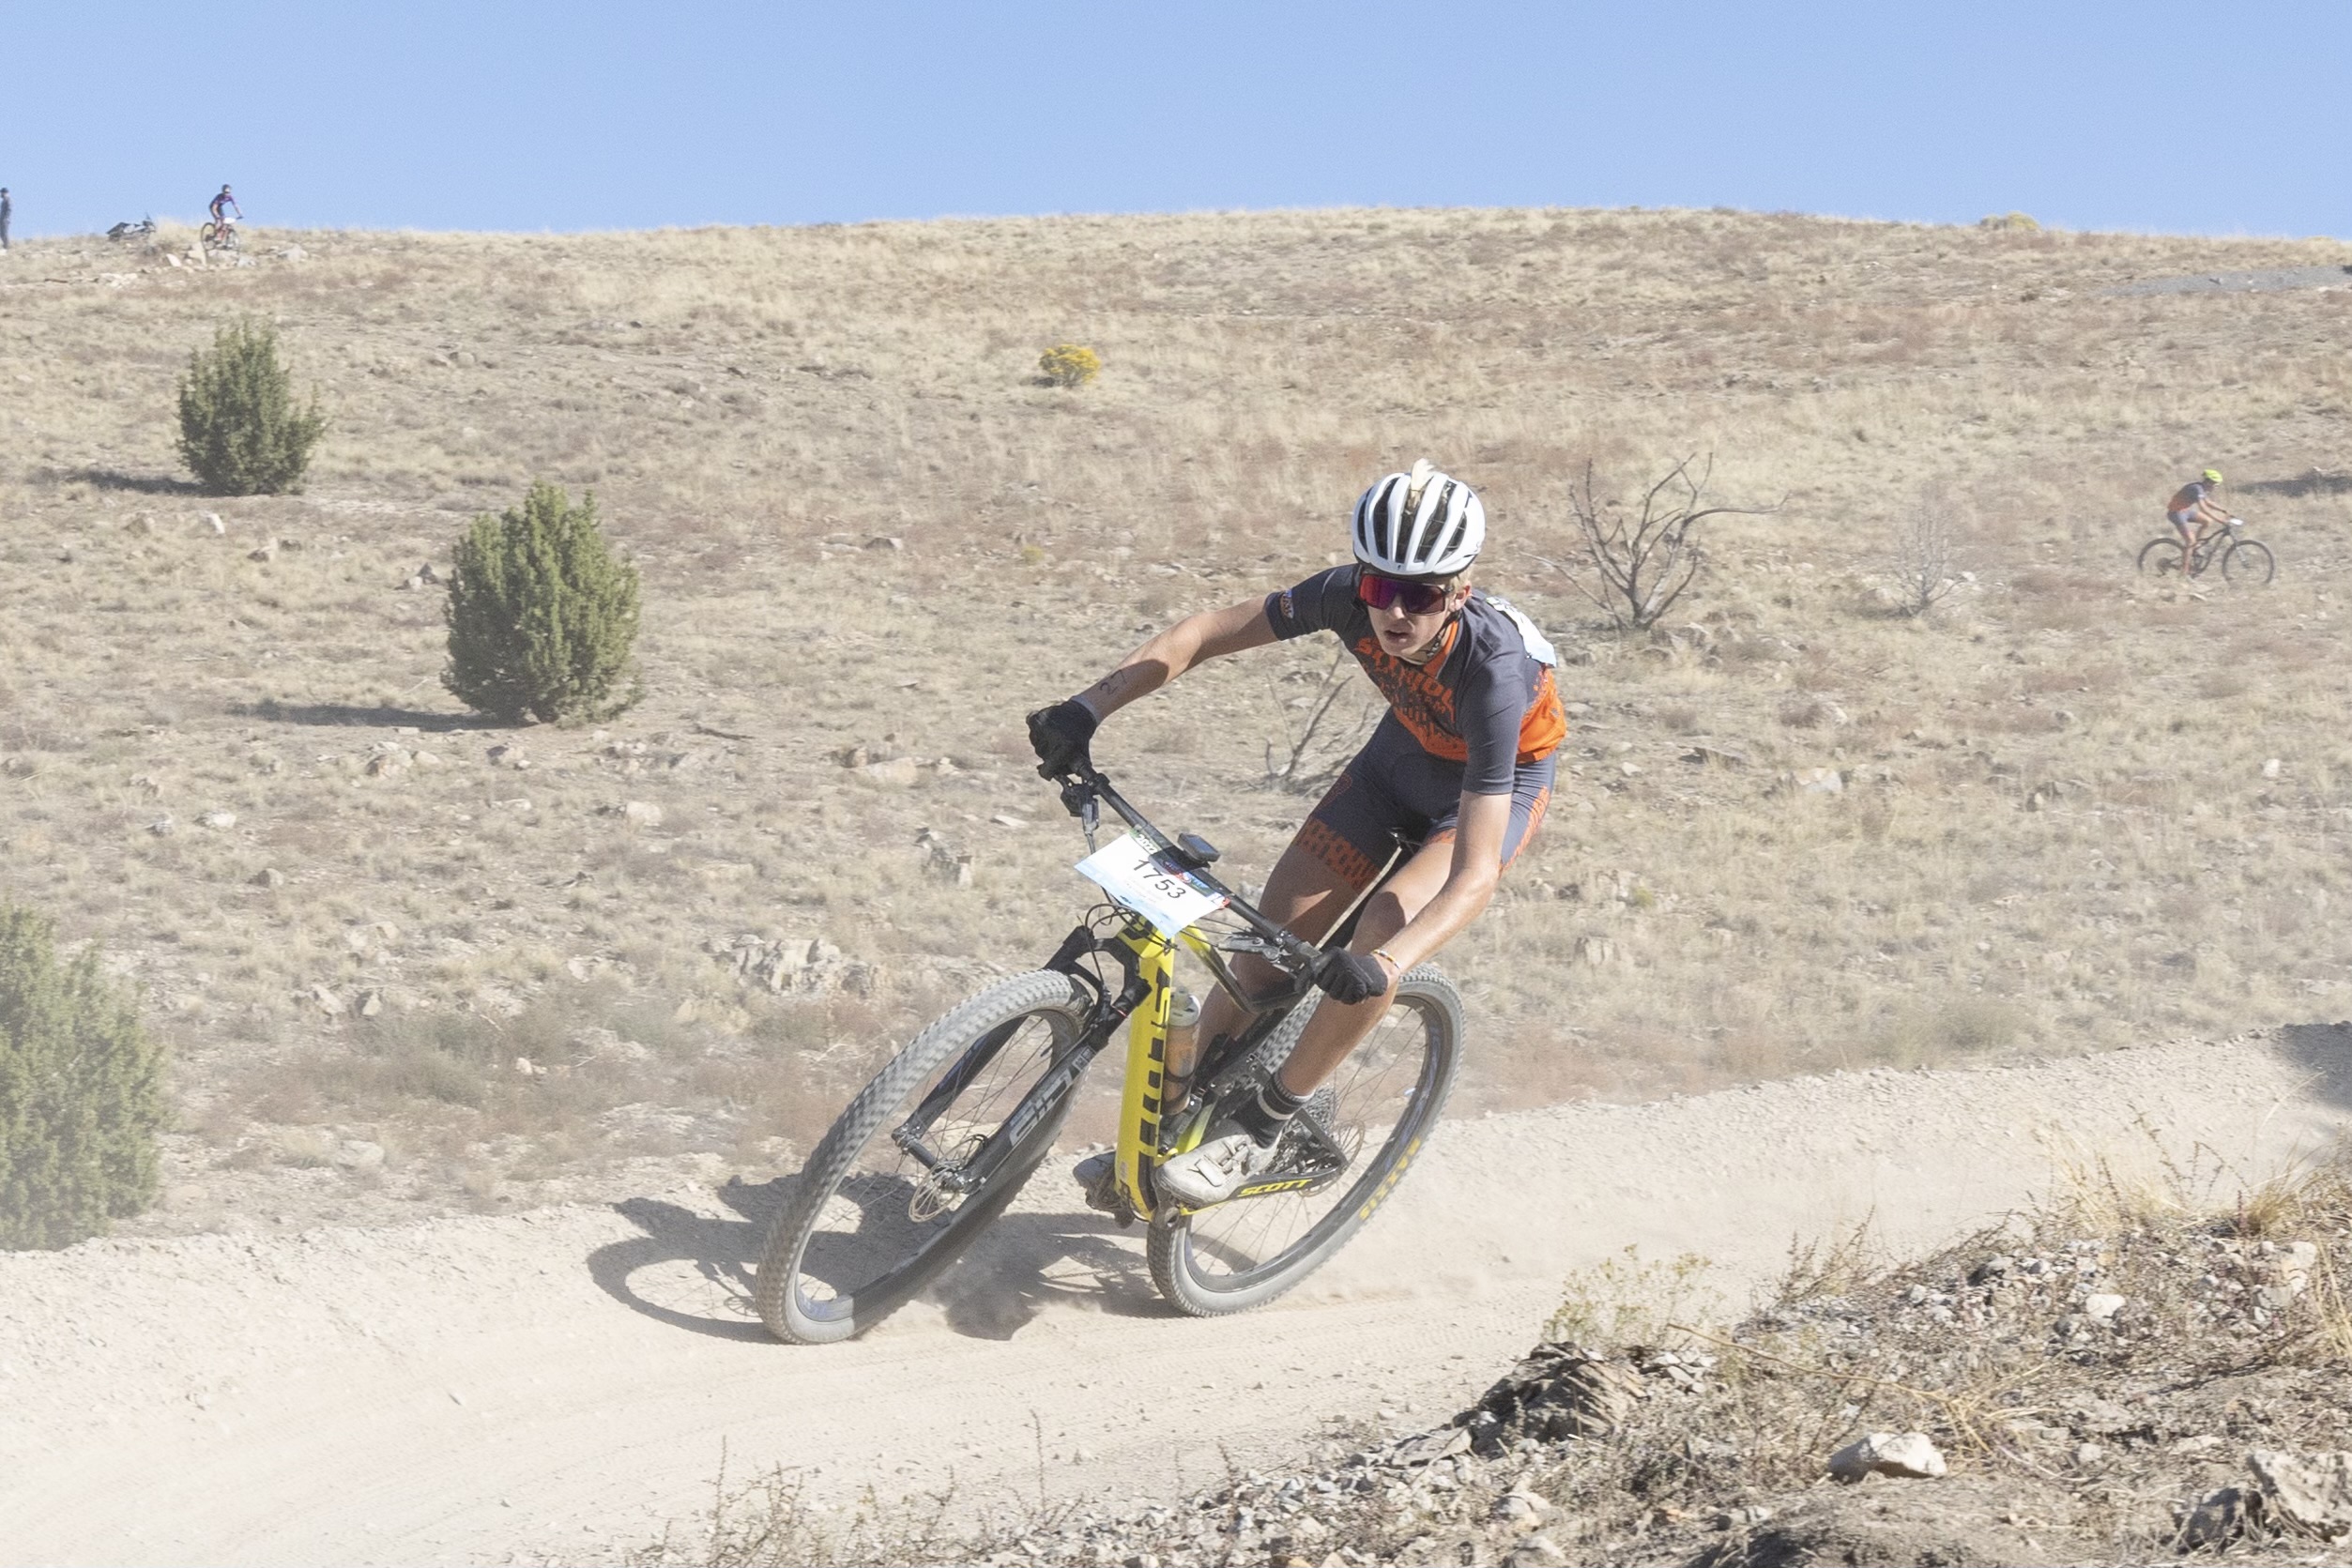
2117 1377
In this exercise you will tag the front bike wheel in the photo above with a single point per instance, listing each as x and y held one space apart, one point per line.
2160 557
2247 564
209 235
868 1223
1377 1108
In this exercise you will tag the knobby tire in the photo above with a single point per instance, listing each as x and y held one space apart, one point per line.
811 1287
2247 564
1244 1252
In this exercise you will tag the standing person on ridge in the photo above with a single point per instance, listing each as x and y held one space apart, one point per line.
1460 766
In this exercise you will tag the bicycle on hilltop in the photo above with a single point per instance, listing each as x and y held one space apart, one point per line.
219 233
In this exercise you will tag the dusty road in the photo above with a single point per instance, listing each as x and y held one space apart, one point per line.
551 1385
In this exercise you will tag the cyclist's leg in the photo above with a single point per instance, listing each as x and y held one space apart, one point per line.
1339 849
1335 1028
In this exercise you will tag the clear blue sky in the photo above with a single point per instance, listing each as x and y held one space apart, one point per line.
2222 117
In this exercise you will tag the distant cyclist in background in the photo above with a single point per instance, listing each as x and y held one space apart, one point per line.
2194 512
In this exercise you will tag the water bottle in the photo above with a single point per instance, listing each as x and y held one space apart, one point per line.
1184 1051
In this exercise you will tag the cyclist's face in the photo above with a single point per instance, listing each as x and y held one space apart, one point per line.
1401 633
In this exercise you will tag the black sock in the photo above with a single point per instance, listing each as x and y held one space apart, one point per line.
1270 1110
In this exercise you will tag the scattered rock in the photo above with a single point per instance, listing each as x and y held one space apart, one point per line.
507 754
2304 1493
216 820
212 520
642 813
1720 757
2102 1305
358 1154
370 1004
1522 1510
1536 1551
884 542
328 1001
1818 781
1906 1455
2217 1516
792 964
265 550
2270 766
898 773
1433 1446
388 760
269 876
163 827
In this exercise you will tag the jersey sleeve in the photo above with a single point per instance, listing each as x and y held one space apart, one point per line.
1489 708
1324 602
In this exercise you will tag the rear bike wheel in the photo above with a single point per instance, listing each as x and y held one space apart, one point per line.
868 1223
1377 1107
2247 564
2160 557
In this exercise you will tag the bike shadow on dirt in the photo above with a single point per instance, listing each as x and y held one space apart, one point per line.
696 1270
2324 1051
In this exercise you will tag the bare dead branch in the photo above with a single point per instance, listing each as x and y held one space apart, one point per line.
1638 566
1284 770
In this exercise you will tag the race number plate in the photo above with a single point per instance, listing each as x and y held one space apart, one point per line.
1169 899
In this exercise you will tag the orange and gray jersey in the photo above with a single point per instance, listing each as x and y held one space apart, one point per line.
1487 700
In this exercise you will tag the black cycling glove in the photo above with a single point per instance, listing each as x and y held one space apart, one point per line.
1061 734
1352 977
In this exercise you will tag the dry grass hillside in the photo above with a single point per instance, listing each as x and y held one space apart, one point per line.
2079 808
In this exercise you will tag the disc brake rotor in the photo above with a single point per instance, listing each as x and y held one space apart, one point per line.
932 1196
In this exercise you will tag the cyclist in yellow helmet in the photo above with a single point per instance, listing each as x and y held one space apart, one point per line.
2193 511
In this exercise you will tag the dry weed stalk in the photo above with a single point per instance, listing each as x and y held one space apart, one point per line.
1647 561
1925 566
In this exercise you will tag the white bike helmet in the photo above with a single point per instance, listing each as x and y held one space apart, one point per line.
1424 524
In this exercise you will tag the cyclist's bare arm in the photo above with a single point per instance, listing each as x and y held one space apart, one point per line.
1469 881
1210 634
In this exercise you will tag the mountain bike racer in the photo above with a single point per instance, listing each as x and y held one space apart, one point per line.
1460 766
2193 513
223 205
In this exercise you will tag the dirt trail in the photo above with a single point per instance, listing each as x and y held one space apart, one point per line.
552 1384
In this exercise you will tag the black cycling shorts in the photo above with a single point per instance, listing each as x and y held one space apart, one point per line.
1394 791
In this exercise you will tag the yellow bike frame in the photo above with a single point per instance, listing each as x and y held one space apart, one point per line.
1139 1107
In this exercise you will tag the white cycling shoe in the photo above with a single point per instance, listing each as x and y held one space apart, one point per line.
1214 1171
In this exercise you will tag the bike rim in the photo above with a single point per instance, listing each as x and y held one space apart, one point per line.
1377 1097
888 1212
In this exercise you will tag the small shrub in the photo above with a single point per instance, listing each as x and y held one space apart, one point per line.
541 614
1925 561
1070 364
2021 220
81 1093
240 431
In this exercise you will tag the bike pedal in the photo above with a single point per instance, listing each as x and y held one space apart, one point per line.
1097 1177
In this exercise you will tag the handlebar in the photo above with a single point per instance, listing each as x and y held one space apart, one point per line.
1085 786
